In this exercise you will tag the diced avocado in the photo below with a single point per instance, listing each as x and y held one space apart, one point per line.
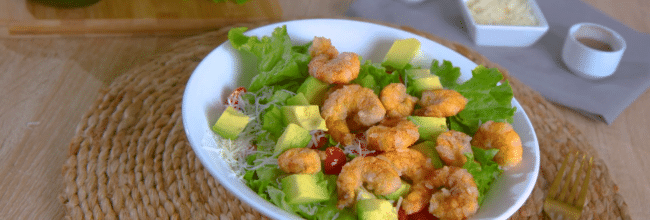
428 148
230 123
422 79
375 209
303 188
314 90
401 53
429 127
418 73
402 190
298 99
307 116
294 136
363 193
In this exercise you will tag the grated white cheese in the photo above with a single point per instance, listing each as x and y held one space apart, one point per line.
399 203
234 152
310 209
356 149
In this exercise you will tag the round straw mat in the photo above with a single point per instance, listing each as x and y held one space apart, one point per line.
130 158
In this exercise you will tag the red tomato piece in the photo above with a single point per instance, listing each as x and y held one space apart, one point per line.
423 214
334 160
401 215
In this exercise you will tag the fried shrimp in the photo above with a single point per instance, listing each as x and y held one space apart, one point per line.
378 175
300 160
441 103
329 66
412 165
392 138
458 197
322 46
396 101
452 147
351 104
502 136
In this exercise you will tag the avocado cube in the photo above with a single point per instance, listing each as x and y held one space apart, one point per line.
231 123
402 190
304 188
429 127
294 136
401 53
372 209
363 193
422 79
307 116
428 148
314 90
298 99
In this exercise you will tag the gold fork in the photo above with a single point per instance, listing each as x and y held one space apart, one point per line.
565 205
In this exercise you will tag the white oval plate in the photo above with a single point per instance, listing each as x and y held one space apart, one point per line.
224 69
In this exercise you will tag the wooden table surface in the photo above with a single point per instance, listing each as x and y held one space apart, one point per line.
48 83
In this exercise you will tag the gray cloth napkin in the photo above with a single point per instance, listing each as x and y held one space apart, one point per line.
538 66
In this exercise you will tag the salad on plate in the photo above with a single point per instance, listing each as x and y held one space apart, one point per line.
326 134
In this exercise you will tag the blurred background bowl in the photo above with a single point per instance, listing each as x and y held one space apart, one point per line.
505 35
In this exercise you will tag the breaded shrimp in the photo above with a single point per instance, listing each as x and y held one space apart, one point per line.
351 104
458 197
412 165
331 67
441 103
378 175
396 101
322 46
300 160
502 136
392 138
452 147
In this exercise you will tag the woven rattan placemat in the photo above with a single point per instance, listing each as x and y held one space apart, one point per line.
130 158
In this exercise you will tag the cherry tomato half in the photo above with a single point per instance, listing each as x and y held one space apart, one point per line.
334 160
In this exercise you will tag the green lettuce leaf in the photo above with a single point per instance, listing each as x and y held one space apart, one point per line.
447 73
483 168
272 121
279 62
487 100
374 76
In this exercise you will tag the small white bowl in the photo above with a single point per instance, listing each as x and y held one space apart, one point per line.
505 35
586 60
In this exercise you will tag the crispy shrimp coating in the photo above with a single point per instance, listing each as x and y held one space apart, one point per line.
412 165
322 46
378 175
300 160
441 103
458 197
396 101
392 138
452 147
351 104
331 67
502 136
